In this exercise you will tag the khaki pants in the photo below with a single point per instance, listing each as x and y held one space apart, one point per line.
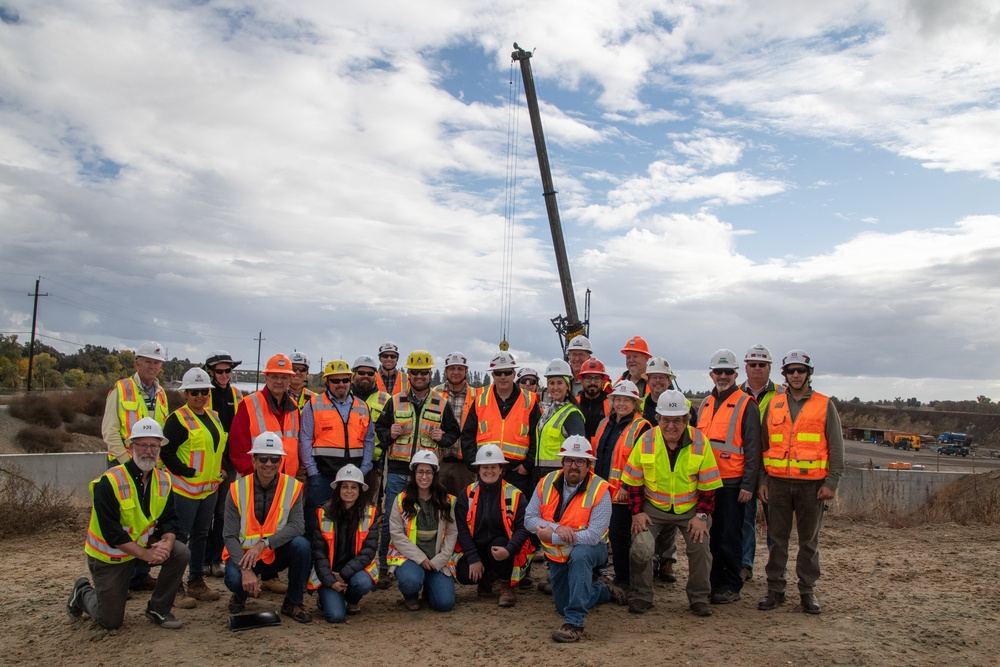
796 501
699 558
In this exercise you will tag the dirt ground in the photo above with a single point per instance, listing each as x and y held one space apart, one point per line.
911 596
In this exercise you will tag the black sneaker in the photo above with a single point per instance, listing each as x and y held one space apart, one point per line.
725 597
167 621
73 607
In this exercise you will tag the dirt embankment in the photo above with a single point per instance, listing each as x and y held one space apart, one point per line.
984 428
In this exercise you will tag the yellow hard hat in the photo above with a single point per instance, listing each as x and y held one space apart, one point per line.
337 367
419 360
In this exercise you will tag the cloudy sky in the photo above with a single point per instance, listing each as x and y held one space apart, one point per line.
820 175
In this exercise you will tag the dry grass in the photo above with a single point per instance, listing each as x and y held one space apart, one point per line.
28 509
86 426
41 440
36 409
972 499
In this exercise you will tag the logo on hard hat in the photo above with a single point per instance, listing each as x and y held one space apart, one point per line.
631 342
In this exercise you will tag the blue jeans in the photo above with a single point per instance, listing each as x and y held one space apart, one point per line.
295 555
573 587
335 603
318 491
194 519
394 485
440 587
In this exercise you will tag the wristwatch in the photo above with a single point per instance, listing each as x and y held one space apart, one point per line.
702 516
267 543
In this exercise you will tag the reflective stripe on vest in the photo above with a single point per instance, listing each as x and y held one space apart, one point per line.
262 419
401 385
511 434
430 418
797 450
252 532
577 513
623 448
727 419
132 407
233 390
550 436
395 558
198 451
511 498
672 489
328 529
134 521
334 437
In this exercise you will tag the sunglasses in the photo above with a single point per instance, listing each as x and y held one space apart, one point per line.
367 374
757 364
388 356
724 371
502 374
270 459
338 381
300 369
423 372
222 371
800 370
198 392
530 383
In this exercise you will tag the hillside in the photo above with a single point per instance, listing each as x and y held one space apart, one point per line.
985 428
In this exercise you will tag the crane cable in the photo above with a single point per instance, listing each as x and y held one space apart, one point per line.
510 190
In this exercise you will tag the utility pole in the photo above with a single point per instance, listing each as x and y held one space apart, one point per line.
256 385
34 317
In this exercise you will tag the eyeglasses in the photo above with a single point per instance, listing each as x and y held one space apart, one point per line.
800 370
198 392
366 374
270 459
575 463
423 473
338 380
502 374
388 356
300 369
423 372
671 421
142 445
757 364
530 383
724 371
222 371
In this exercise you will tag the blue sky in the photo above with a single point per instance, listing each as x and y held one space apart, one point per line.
823 176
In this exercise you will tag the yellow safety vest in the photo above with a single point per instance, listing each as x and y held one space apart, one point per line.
135 522
550 437
132 407
200 453
394 558
672 489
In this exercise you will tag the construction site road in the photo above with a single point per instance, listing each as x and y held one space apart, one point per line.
860 454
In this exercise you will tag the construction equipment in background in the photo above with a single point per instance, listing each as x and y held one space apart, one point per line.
908 441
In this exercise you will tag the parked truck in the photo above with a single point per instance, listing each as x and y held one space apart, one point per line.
950 438
907 441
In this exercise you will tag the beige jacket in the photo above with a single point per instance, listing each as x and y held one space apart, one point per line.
447 533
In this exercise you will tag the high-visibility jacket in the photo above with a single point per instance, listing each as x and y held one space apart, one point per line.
550 436
406 445
263 419
622 450
304 397
797 450
329 530
723 428
400 386
394 557
672 489
132 406
252 532
237 395
334 437
764 399
376 402
511 498
199 452
577 512
136 523
512 434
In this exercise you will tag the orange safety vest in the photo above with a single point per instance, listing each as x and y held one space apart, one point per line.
510 434
198 451
400 386
262 419
623 448
511 499
334 437
672 488
329 530
251 532
799 449
395 558
722 428
135 522
576 514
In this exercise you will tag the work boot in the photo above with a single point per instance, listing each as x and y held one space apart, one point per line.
639 606
236 605
667 572
296 612
412 604
484 588
384 580
701 609
567 634
199 590
810 604
274 585
507 597
771 601
184 601
545 587
526 584
746 573
618 594
725 597
353 608
217 570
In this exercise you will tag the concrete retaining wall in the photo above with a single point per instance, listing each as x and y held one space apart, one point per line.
68 472
899 491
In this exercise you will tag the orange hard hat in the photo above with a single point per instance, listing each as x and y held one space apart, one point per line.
279 364
592 366
637 344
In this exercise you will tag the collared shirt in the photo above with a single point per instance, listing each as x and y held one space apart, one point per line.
600 516
109 511
307 424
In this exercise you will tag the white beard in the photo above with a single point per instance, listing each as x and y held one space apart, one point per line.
145 463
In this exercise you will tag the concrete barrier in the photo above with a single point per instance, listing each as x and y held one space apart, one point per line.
900 491
70 472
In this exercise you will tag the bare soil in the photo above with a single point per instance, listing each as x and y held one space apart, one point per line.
909 596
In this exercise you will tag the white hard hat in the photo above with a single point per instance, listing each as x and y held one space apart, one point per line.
152 350
627 389
456 359
424 456
350 473
577 447
147 427
558 368
659 366
797 357
267 443
525 372
195 378
502 361
388 346
723 359
489 454
580 343
672 404
758 353
299 359
365 361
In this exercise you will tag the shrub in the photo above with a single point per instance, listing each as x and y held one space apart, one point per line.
28 509
89 402
86 426
36 409
41 440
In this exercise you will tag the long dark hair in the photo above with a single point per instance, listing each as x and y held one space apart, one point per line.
439 498
334 509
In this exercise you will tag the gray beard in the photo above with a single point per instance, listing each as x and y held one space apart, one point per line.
145 463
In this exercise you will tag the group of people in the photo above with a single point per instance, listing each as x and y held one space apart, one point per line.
381 478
